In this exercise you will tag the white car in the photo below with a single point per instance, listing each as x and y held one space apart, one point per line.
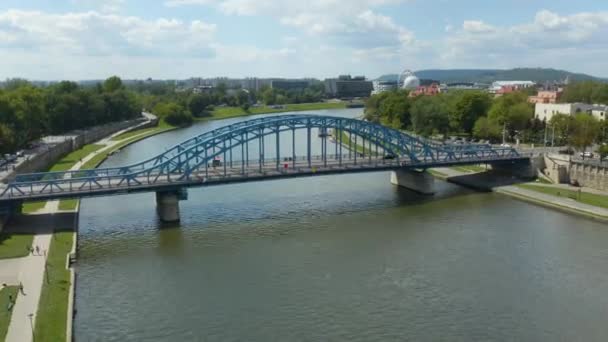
505 145
587 154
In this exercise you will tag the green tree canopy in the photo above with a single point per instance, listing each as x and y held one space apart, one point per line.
429 115
585 131
466 108
112 84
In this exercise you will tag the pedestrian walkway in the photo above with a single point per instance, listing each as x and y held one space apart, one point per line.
563 202
30 270
30 275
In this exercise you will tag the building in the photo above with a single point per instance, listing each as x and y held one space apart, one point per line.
346 86
546 111
502 87
410 81
207 89
546 96
289 84
431 90
463 86
599 112
382 86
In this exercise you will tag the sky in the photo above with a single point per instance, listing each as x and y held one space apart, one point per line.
177 39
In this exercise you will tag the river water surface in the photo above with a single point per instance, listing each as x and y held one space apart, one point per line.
336 258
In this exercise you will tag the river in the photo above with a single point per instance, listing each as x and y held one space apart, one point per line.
336 258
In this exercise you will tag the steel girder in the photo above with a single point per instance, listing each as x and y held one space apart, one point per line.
193 154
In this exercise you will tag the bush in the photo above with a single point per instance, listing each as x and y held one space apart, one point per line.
173 114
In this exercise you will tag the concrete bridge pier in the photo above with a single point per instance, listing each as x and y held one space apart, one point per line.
167 205
419 181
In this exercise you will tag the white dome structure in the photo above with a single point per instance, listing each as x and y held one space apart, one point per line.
410 81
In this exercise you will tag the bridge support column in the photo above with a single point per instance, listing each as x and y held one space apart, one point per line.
167 206
419 181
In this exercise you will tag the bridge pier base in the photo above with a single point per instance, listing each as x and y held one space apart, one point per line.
419 181
167 206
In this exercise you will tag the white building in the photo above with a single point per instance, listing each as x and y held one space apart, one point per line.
498 85
410 81
600 112
382 86
546 111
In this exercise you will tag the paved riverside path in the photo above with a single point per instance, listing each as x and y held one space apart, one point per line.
29 270
535 196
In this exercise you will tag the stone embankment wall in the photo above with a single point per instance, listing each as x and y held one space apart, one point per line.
556 170
589 176
47 156
562 169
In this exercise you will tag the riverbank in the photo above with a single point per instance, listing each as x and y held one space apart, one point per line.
591 205
49 280
233 112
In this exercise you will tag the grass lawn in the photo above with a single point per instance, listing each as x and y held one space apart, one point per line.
31 207
162 126
585 197
51 318
230 112
68 161
5 313
469 168
14 245
69 204
436 173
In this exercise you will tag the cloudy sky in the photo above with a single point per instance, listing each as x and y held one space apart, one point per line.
87 39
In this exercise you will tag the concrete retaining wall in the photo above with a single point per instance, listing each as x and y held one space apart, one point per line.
589 176
45 158
555 170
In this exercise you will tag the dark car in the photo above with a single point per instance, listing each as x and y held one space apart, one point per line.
390 156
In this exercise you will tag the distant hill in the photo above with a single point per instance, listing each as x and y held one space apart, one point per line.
491 75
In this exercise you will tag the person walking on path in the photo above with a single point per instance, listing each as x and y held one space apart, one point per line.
21 288
37 250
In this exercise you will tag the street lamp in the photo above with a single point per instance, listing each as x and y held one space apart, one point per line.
32 326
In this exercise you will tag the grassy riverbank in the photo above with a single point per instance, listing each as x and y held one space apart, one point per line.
231 112
74 157
5 314
14 245
51 318
583 197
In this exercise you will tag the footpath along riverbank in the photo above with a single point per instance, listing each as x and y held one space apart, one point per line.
44 310
530 192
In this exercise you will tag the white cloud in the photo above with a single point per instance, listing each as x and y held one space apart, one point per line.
179 3
94 33
351 23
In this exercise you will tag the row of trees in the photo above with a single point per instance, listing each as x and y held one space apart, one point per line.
28 112
479 115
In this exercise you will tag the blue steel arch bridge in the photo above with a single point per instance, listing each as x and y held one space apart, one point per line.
255 150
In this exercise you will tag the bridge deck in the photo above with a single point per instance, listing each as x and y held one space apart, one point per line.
223 174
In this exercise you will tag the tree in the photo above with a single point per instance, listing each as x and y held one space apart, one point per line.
487 129
466 109
198 103
7 139
395 110
563 126
585 131
603 151
429 115
112 84
173 113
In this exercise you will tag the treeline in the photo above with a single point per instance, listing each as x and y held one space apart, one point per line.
586 92
181 107
28 112
479 115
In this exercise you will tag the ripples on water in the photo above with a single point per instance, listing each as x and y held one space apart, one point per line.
339 258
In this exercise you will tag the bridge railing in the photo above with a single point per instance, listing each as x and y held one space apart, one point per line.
118 183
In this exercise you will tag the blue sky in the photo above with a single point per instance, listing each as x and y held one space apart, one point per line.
84 39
